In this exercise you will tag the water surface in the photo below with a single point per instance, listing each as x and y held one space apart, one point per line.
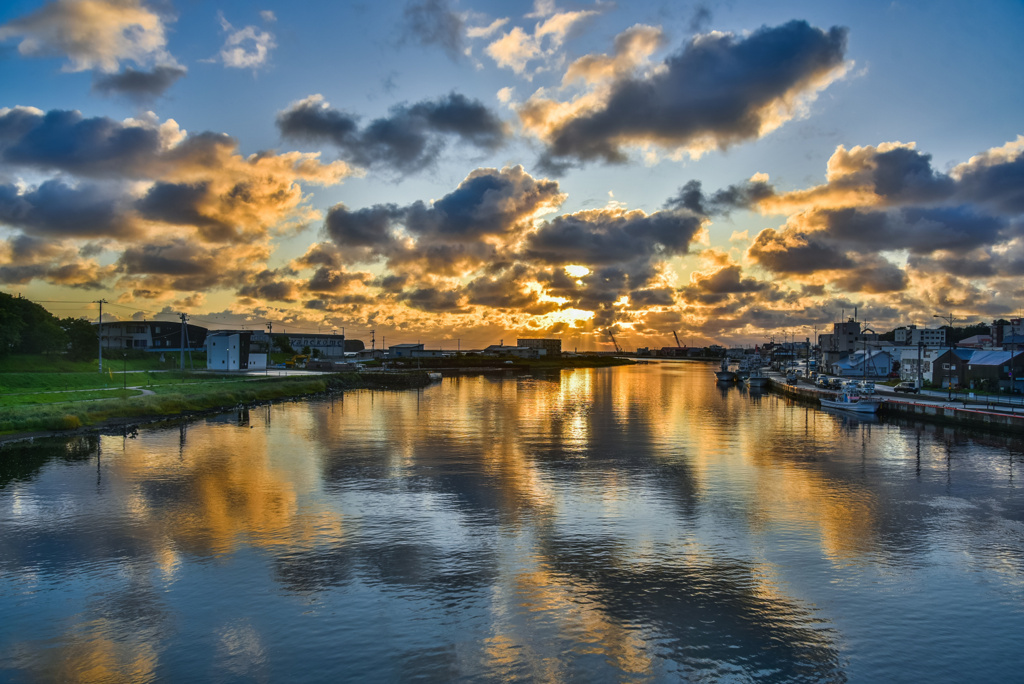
625 524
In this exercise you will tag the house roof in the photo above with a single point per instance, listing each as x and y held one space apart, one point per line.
992 358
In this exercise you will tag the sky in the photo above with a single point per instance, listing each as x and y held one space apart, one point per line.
459 172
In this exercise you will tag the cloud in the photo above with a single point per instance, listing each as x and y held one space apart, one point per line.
251 193
139 86
177 211
407 140
516 48
56 209
245 48
485 247
741 196
606 236
718 91
431 22
886 222
92 34
463 230
632 48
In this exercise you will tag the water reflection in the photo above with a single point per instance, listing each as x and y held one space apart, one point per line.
638 523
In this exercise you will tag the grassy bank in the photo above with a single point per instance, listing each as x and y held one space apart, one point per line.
194 397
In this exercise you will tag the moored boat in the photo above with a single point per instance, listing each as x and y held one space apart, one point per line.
724 374
852 402
756 378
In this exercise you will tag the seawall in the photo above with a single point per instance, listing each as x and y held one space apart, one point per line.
944 414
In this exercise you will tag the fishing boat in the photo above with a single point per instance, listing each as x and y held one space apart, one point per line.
856 403
756 379
725 375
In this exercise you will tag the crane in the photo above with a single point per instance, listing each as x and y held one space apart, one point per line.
678 343
611 334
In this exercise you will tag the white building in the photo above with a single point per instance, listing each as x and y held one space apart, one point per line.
912 357
228 351
914 335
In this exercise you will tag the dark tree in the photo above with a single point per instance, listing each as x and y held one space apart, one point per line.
82 339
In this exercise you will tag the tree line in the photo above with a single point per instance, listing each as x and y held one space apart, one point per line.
27 328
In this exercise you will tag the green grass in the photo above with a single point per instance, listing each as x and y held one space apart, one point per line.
202 393
188 398
112 360
59 397
21 382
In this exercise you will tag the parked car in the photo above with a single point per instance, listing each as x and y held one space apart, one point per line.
866 387
835 383
906 387
821 381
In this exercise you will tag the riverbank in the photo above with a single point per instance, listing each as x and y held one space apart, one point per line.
942 413
187 400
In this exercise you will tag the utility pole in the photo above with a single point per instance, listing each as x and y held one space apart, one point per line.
183 319
99 330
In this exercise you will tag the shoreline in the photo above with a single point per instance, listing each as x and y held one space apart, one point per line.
132 414
117 416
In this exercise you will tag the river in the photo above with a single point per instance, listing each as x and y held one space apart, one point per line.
626 524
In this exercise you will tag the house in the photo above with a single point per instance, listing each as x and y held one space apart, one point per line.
325 345
996 371
403 351
950 366
155 336
976 342
916 364
864 364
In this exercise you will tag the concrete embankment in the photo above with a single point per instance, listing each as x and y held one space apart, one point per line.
936 412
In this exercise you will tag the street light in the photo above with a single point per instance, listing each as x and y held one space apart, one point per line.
949 346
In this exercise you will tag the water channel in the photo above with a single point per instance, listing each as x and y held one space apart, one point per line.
628 524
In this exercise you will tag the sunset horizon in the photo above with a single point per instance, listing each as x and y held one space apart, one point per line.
459 173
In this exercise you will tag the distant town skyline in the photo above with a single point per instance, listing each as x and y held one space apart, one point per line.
438 169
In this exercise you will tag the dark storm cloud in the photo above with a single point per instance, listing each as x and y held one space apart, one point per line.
267 284
66 141
999 185
506 292
431 22
661 296
797 253
433 300
449 234
483 204
729 280
13 274
326 280
742 196
57 209
601 237
313 121
407 140
873 275
174 258
920 230
906 175
719 87
180 204
370 227
139 86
